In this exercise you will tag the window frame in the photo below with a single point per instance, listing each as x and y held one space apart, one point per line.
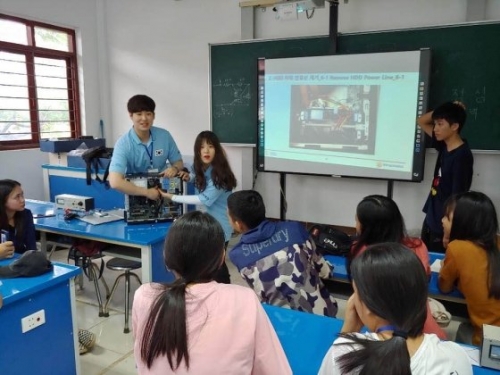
31 51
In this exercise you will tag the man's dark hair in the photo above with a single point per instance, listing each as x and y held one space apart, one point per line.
451 112
139 103
248 207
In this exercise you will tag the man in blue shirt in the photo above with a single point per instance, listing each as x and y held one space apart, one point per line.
143 149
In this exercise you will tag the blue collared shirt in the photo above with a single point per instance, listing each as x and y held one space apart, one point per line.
130 155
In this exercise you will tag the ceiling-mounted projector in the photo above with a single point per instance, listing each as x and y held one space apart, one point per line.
304 5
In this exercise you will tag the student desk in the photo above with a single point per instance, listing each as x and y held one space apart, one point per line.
340 274
51 348
142 241
307 337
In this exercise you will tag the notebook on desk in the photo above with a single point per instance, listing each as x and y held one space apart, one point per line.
103 217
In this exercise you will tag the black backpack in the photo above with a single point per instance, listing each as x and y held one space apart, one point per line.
92 158
331 241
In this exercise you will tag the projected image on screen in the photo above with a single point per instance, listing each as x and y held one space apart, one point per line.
334 117
344 115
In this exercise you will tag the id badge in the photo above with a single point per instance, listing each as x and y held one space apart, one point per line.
153 170
4 236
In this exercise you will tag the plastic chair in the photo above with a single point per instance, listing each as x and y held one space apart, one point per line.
127 266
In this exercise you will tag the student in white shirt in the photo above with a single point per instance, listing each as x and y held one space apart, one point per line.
390 297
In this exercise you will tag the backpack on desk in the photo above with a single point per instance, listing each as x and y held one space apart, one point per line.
92 158
331 241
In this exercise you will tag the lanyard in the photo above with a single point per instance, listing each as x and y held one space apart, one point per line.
150 153
385 328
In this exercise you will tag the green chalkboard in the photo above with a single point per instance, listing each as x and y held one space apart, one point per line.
465 66
234 82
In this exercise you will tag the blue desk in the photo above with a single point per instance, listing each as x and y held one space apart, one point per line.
67 180
307 337
340 274
51 348
145 240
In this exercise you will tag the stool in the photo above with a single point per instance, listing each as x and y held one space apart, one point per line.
92 271
120 264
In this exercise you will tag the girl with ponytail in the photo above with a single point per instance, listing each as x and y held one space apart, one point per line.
195 325
390 297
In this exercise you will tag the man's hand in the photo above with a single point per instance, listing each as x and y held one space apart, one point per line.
183 175
153 194
170 172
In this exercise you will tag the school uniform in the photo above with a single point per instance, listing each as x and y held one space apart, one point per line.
131 155
433 357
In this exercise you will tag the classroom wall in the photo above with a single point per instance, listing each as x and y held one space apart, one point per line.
160 48
334 200
82 16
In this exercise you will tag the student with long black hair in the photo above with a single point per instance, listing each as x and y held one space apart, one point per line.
378 219
18 228
195 325
214 181
390 297
472 261
16 221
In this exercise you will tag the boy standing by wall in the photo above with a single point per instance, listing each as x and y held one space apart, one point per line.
277 259
453 171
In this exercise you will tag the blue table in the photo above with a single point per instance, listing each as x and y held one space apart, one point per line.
307 337
29 353
144 240
340 274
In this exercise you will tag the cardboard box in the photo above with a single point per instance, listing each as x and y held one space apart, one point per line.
71 144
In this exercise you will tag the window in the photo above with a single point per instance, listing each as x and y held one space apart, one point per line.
38 83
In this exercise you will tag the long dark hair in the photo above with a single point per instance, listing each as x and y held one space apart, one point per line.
222 175
6 187
194 250
475 220
391 282
381 221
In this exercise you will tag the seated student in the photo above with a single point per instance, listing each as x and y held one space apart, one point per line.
378 219
278 260
390 297
17 222
472 261
195 325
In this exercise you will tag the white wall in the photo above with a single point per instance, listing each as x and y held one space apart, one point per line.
160 48
24 166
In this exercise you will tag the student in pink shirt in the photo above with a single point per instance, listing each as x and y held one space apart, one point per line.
378 219
194 325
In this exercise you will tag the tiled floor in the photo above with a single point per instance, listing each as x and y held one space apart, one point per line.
113 352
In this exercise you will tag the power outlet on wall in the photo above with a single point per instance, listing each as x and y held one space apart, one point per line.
32 321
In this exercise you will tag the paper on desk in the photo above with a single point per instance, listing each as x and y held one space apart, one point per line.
436 266
473 354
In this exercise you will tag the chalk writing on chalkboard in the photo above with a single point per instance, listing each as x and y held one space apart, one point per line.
230 95
473 100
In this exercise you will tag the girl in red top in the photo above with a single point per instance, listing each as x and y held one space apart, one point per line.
378 219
